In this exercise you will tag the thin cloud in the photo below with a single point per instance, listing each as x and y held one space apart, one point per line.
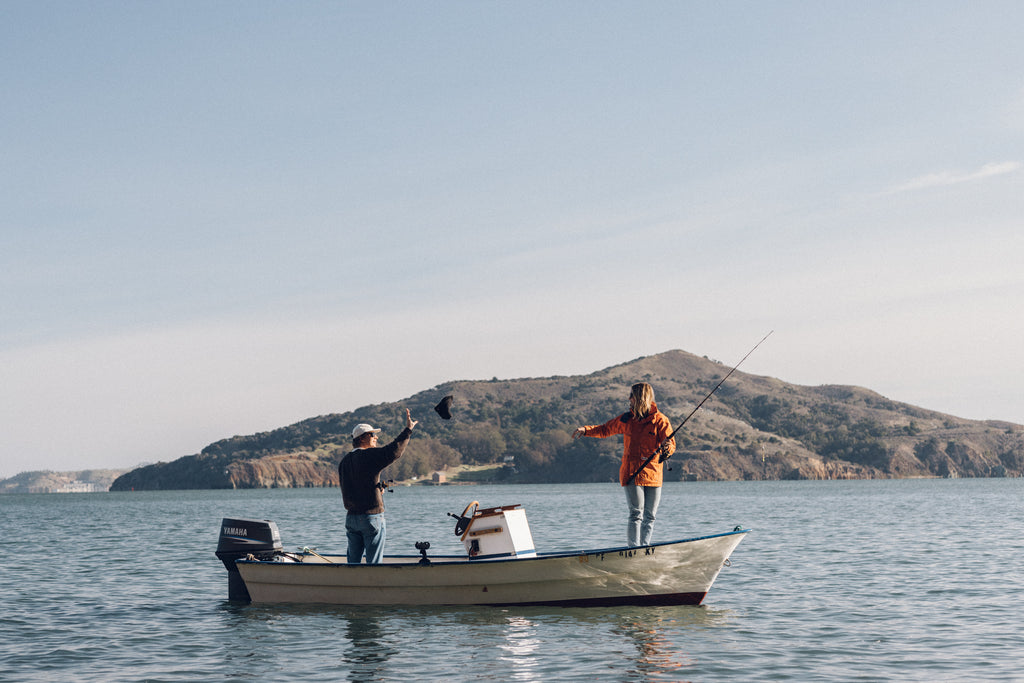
946 178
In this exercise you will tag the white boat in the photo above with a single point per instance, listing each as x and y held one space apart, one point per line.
500 567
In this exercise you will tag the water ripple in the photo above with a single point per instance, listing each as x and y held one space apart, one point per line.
905 580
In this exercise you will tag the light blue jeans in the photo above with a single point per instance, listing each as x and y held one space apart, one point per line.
643 508
365 533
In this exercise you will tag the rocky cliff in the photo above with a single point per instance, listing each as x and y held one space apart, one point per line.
204 471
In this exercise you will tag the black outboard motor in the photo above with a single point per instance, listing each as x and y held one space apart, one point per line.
240 538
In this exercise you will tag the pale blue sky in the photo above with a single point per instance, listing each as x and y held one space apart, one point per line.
221 218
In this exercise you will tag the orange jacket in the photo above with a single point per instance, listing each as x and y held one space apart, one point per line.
640 438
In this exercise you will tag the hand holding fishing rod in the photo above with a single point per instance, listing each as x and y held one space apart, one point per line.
663 449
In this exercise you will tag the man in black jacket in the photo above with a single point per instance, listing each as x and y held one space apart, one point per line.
359 475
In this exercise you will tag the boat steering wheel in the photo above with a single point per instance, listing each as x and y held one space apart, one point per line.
462 526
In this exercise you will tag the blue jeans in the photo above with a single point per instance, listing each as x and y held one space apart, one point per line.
365 533
643 508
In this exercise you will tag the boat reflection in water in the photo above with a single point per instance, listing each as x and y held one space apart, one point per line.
367 654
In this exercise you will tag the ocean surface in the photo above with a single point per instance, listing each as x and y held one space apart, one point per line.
909 580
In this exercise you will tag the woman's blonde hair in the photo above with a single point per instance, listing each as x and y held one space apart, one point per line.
641 399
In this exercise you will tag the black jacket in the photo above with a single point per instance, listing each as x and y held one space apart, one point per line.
359 474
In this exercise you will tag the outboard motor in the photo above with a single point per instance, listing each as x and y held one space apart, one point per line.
240 538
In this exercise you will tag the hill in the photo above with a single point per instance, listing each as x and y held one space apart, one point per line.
45 481
754 427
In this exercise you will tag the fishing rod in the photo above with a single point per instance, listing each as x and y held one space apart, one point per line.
687 418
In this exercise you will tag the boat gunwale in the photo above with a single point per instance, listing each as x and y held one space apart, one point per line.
407 561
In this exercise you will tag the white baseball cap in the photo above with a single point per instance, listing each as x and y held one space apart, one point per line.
363 428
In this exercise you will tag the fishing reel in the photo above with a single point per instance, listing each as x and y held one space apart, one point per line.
386 485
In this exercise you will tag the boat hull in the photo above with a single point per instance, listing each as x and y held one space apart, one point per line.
674 573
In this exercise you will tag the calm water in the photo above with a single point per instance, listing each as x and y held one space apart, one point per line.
866 580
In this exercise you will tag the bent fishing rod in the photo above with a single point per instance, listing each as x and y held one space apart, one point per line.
687 418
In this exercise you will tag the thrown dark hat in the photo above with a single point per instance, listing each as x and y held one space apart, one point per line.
443 406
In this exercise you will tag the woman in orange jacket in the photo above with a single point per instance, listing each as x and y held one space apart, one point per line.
645 431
